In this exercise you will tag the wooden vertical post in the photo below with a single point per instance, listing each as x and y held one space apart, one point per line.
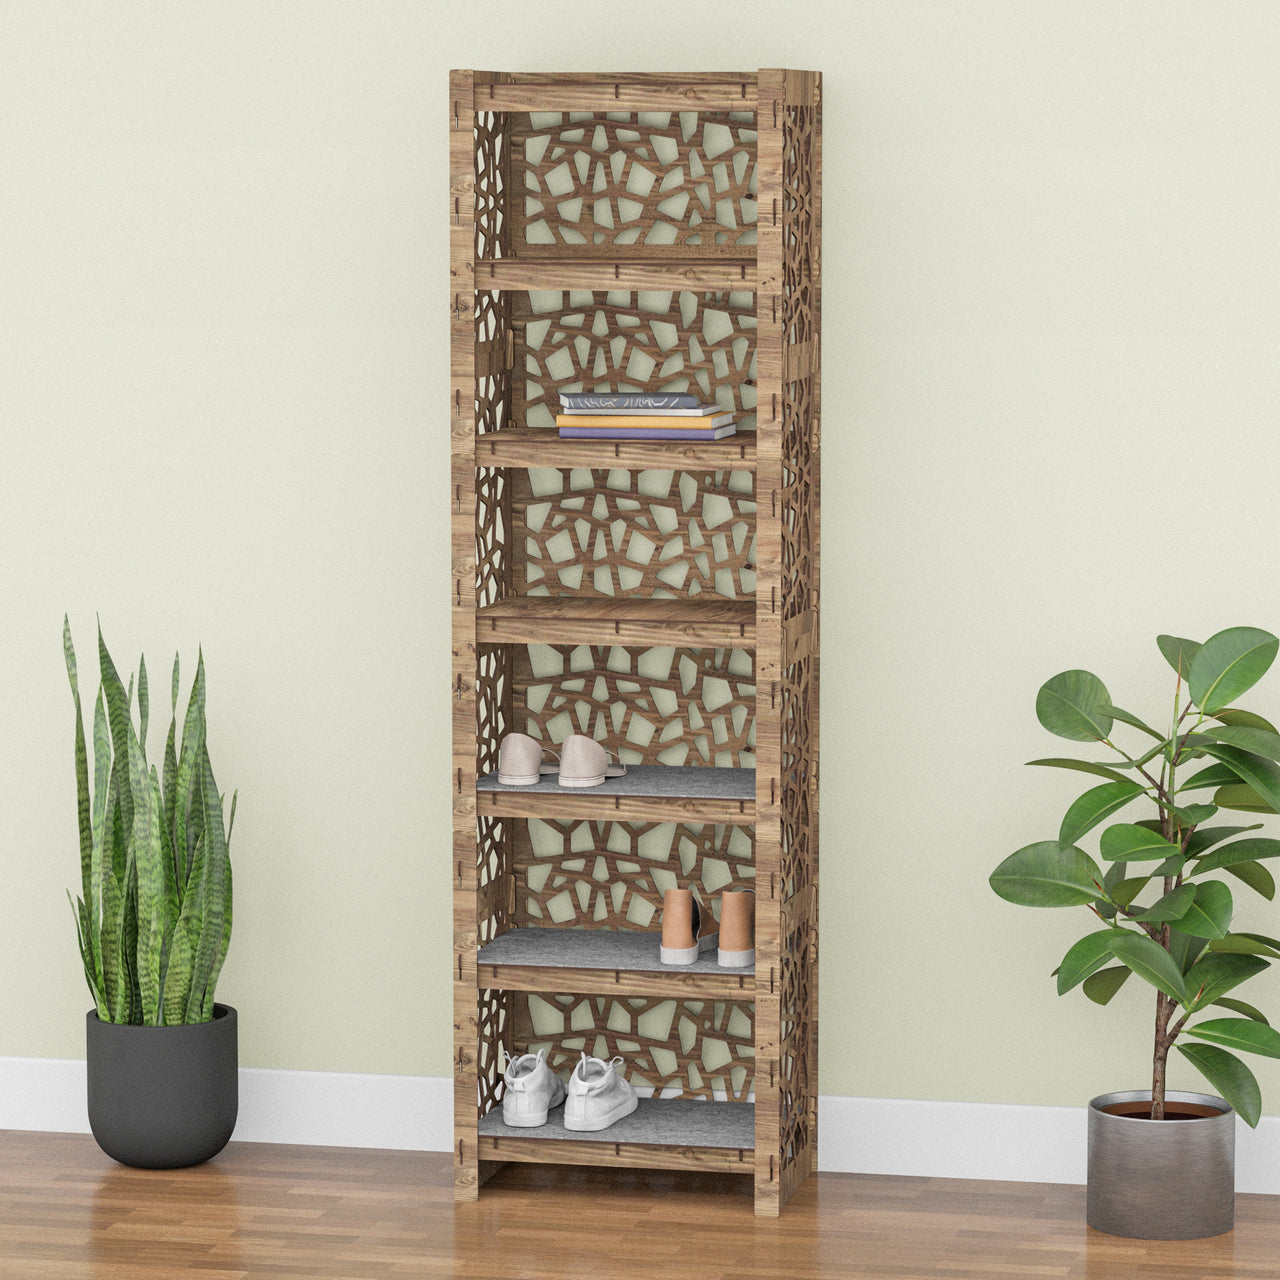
462 507
769 105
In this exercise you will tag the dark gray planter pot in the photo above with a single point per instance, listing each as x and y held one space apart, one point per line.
163 1097
1162 1179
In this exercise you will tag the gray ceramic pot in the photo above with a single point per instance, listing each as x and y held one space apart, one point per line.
1162 1179
163 1097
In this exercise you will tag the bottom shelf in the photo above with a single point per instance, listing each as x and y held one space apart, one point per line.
662 1133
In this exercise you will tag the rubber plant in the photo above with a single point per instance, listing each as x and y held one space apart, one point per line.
154 917
1180 937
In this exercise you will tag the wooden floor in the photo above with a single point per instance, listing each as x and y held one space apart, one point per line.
323 1213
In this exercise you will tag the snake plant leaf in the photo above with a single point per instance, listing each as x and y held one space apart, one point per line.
1184 949
1209 915
84 803
1084 958
1256 876
1239 1006
1046 875
1128 842
1248 719
1229 1077
1178 653
1257 772
1094 806
188 813
1082 766
1100 987
1255 849
177 978
1241 797
1074 705
1149 961
1217 972
213 891
1173 906
1229 664
147 859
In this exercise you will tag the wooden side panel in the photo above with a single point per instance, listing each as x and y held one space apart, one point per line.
770 93
462 375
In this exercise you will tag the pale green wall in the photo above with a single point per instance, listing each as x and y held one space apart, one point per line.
1050 426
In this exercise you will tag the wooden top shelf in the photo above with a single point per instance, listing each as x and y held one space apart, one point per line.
722 273
526 447
606 961
620 91
702 620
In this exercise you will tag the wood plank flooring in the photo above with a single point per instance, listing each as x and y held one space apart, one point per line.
262 1212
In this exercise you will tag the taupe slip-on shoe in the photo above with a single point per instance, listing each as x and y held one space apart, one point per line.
688 928
585 763
737 948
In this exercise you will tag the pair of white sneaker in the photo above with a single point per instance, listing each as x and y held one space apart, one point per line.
597 1096
583 762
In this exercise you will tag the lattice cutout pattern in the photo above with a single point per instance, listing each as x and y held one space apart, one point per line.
492 144
612 875
679 1049
658 534
609 182
797 1086
702 344
494 357
494 692
493 861
495 1028
649 706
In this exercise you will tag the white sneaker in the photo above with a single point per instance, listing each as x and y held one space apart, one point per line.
598 1095
532 1089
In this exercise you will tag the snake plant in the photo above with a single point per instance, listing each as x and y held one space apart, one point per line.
154 918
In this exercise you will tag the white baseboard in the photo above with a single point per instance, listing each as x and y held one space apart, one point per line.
855 1135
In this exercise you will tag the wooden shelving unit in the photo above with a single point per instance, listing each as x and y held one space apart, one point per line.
637 232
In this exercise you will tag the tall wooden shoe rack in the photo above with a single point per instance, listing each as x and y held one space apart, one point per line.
637 232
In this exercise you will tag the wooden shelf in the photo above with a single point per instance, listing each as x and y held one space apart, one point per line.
523 447
695 91
702 620
721 272
662 1133
645 793
608 961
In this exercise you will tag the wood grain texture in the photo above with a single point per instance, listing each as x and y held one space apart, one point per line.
262 1212
617 620
680 270
521 447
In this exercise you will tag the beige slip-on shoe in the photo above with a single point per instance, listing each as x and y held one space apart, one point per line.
585 763
520 761
688 928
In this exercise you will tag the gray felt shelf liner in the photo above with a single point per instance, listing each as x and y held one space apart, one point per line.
592 949
656 1122
668 781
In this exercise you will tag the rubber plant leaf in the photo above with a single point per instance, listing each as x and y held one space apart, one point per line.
1178 653
1095 806
1149 961
1229 664
1074 705
1046 875
1229 1077
1127 842
1086 957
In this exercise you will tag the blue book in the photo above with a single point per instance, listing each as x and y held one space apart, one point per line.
626 401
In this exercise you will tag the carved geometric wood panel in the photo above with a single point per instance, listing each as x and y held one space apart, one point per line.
604 183
679 1049
589 874
658 534
698 343
649 706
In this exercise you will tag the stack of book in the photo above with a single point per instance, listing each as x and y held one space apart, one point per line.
628 415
